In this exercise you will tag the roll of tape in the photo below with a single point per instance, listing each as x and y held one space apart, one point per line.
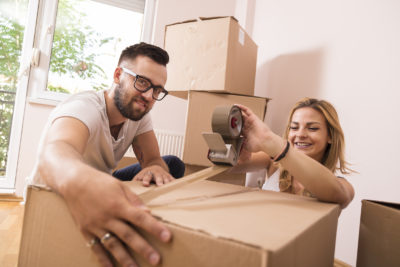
227 121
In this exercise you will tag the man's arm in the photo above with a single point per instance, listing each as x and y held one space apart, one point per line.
99 203
153 166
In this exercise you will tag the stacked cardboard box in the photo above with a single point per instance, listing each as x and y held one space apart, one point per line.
210 54
213 224
212 62
379 239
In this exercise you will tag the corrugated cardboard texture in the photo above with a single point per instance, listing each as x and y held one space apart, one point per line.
199 115
226 177
210 55
379 240
213 224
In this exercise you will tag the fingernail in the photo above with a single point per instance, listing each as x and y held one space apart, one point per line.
143 207
165 235
154 258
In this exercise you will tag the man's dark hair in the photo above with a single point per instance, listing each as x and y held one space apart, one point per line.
156 53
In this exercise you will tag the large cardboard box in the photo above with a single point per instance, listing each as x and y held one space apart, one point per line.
227 177
213 224
212 54
199 116
379 239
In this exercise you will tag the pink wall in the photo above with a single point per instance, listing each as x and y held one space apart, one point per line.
344 51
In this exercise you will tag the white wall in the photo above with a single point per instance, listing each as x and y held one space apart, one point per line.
347 52
35 118
343 51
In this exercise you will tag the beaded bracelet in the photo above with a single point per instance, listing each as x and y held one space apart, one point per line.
282 154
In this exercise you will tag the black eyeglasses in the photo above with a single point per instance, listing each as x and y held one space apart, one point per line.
143 85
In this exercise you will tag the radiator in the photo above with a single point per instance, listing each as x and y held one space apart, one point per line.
168 142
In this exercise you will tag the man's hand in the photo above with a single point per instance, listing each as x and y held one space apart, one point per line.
154 173
106 212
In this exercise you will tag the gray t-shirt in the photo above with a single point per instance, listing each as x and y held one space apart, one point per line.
102 151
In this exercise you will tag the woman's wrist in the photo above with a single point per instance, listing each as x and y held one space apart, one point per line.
282 154
274 145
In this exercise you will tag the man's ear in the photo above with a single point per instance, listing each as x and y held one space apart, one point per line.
117 74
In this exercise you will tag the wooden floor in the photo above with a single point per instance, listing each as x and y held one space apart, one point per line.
11 217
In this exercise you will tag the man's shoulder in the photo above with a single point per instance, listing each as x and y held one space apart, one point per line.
86 106
85 99
91 95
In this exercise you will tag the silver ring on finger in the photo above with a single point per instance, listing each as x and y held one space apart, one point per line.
107 236
92 242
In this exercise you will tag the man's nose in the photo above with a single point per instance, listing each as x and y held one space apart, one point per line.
148 95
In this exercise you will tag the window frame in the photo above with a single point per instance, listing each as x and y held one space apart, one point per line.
45 31
8 182
32 81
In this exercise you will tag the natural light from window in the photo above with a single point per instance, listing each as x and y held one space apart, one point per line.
88 40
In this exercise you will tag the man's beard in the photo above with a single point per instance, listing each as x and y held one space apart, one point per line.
127 109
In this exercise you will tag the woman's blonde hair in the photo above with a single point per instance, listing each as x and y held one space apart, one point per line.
333 157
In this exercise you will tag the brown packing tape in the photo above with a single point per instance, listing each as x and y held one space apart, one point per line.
194 177
173 203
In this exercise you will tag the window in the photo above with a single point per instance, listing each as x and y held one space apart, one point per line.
67 46
80 46
12 25
88 39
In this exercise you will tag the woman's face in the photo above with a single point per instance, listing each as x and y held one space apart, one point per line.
308 132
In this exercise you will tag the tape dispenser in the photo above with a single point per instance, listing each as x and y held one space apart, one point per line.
225 141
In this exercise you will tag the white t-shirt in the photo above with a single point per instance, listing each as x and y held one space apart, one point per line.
102 151
257 179
272 182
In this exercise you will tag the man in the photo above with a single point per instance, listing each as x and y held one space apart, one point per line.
85 138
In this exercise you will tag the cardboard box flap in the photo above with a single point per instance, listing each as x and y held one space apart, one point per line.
179 94
209 207
379 237
181 22
185 94
218 17
389 205
200 19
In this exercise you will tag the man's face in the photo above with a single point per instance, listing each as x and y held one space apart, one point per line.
130 102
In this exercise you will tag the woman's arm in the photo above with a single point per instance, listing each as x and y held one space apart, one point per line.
315 177
249 162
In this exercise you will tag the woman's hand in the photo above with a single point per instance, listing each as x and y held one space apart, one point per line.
258 136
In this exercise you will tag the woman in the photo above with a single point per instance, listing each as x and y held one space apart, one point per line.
304 161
